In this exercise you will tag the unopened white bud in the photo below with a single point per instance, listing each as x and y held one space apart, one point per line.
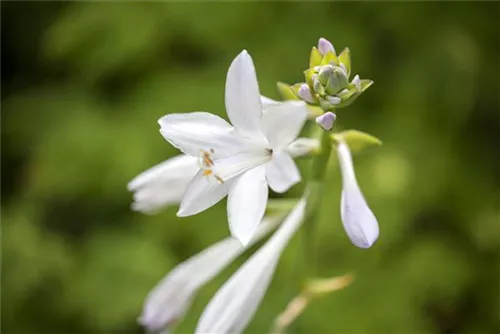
326 120
305 93
324 46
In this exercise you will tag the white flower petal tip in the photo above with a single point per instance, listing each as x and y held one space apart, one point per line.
163 184
170 299
234 305
324 46
359 221
243 103
326 120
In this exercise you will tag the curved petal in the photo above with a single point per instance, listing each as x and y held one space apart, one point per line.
202 193
162 184
243 97
281 172
246 203
358 220
181 166
281 123
197 131
234 305
229 167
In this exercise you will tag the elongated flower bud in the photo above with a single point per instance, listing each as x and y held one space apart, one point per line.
305 93
234 305
359 221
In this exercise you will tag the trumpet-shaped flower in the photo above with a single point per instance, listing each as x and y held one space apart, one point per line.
166 183
239 160
234 305
172 297
358 220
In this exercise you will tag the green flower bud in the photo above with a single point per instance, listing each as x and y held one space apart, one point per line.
325 73
327 79
337 81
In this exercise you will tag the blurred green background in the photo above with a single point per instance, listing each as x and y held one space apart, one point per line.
83 85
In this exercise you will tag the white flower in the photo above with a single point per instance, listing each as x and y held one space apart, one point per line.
234 305
359 221
165 184
240 161
172 296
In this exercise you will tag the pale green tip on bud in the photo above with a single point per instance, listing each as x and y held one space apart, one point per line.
305 94
324 46
326 120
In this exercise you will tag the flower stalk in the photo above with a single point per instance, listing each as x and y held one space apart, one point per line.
315 188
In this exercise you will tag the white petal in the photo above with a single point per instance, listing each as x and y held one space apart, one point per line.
282 173
302 146
266 101
229 167
197 131
234 305
359 221
171 297
162 184
202 193
243 97
246 203
281 123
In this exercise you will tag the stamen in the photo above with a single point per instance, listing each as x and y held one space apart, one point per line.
207 172
218 178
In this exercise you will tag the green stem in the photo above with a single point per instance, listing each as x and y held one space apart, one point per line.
315 186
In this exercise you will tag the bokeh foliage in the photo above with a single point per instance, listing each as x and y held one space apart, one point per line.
83 84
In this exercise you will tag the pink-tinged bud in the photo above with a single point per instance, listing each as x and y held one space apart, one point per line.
305 93
326 120
324 46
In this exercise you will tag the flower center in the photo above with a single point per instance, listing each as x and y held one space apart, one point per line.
207 163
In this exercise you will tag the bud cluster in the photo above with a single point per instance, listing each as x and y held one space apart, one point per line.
327 79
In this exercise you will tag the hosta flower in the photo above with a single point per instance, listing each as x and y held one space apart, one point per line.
239 160
358 220
171 298
165 183
234 305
